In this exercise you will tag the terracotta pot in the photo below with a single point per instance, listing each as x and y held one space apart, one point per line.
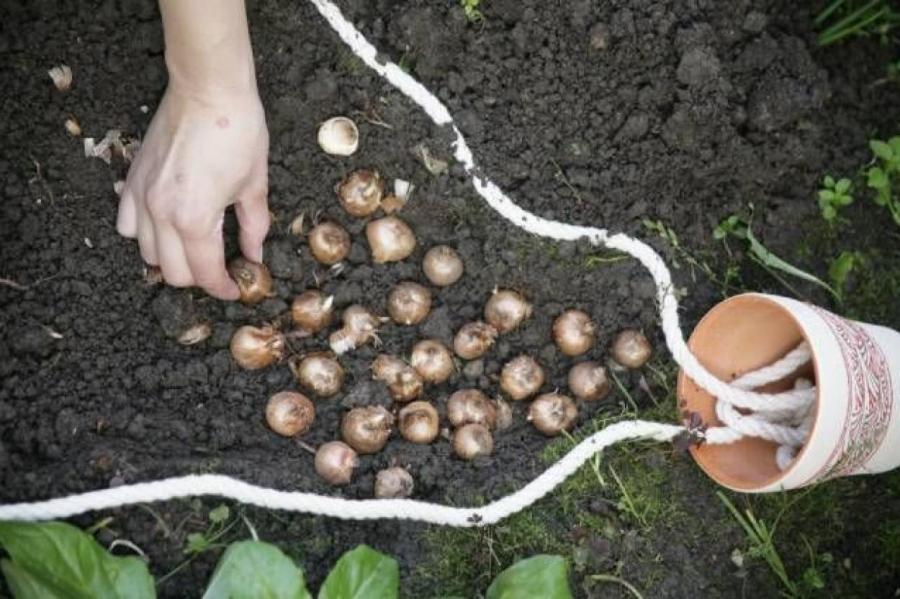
856 369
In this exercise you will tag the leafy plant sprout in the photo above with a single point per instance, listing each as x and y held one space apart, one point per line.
472 10
739 228
884 173
833 196
846 18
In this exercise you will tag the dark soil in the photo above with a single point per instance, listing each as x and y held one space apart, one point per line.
601 113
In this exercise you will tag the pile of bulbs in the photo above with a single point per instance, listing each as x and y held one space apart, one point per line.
474 417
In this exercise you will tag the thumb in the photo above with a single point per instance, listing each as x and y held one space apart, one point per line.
252 209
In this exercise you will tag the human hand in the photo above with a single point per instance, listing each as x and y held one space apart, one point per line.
202 153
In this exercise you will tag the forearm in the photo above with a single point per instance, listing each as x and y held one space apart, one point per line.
208 45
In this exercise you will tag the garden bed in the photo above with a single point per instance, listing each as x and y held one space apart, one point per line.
611 114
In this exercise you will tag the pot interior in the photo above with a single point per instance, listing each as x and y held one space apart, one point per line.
737 336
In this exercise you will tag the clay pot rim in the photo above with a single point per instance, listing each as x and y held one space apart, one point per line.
706 462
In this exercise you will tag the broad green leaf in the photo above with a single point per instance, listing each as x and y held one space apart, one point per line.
894 142
840 269
219 514
829 181
877 178
256 570
63 558
362 573
826 195
842 186
23 585
544 576
881 149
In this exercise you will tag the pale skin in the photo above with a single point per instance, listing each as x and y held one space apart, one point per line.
206 149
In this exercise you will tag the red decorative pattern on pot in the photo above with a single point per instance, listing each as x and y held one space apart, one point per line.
868 413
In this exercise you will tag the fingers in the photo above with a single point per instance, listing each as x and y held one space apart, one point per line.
206 259
252 210
146 236
126 222
172 261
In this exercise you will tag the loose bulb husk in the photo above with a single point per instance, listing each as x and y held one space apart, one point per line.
473 440
521 377
360 327
419 422
390 239
335 462
319 373
289 413
468 406
506 310
73 127
329 243
631 349
338 136
256 347
195 334
552 413
574 332
403 382
442 265
62 77
393 483
312 310
252 278
367 429
432 360
409 303
474 339
361 192
588 381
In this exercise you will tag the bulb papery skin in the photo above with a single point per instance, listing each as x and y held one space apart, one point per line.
335 462
360 327
409 303
256 347
588 381
338 136
390 239
474 339
574 332
289 413
393 483
319 373
473 440
403 382
329 243
631 349
521 377
442 265
468 406
253 280
552 413
419 422
506 310
360 192
367 429
432 360
312 310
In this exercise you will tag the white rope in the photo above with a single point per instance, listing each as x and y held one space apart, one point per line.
766 407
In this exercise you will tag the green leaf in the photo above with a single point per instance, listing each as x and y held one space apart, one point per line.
881 149
894 142
362 573
826 195
828 212
59 558
767 258
829 181
842 186
23 585
256 570
544 576
877 178
219 514
840 268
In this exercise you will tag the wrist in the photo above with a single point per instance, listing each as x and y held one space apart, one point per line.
207 76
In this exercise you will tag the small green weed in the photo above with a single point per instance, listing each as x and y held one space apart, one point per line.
762 546
833 196
840 268
739 228
845 18
472 10
884 173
